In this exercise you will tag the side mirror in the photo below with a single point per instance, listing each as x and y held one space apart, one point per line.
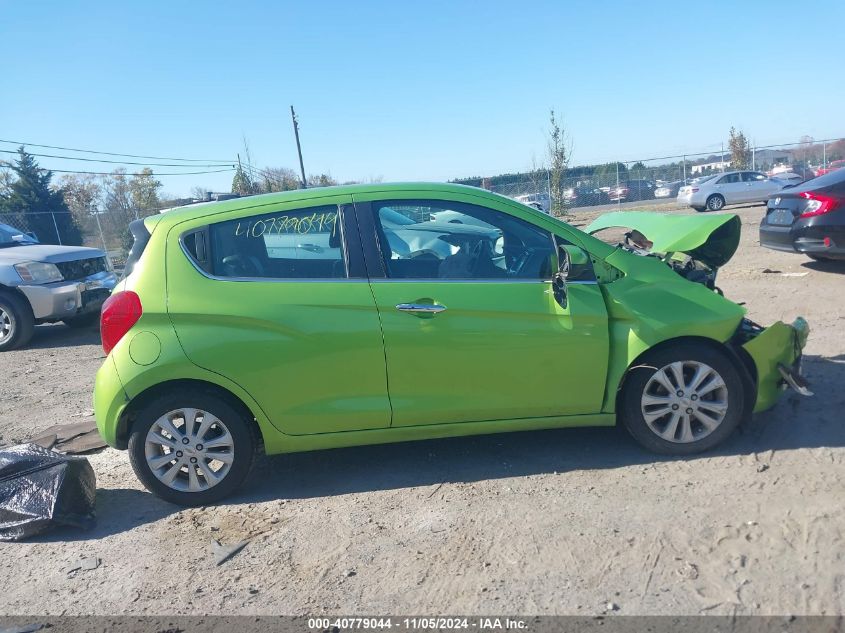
573 265
560 277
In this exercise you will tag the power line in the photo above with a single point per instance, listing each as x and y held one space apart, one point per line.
111 173
90 151
120 162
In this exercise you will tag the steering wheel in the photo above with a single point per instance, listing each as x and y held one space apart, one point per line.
242 266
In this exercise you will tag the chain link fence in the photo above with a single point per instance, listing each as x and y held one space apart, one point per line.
658 179
106 231
654 180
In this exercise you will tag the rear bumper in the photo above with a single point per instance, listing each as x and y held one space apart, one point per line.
779 344
63 299
811 238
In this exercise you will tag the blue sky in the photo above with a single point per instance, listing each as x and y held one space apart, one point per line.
414 91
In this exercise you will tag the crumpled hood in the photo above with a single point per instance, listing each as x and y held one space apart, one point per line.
710 239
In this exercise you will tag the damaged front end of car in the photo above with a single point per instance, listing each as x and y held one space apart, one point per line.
695 247
776 353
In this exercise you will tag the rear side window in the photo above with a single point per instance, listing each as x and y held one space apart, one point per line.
728 179
297 244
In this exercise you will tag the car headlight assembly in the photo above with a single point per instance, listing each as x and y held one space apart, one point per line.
38 272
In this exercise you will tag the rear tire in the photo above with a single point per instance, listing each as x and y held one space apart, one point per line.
17 324
716 202
698 419
219 447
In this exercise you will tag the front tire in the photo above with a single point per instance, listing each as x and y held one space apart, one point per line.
715 203
683 399
17 324
192 447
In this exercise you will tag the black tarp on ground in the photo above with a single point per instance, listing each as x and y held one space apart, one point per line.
41 490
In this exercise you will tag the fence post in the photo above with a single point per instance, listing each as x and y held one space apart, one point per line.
103 240
56 226
684 163
754 158
618 197
824 154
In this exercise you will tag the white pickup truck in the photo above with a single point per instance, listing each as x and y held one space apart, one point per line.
44 283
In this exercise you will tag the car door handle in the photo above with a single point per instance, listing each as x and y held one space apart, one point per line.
314 248
420 308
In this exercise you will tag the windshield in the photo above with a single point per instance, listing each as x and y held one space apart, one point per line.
10 236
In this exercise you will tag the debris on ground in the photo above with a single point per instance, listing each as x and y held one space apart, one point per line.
41 490
71 439
222 553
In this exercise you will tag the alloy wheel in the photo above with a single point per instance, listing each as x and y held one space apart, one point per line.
716 203
189 450
684 401
6 325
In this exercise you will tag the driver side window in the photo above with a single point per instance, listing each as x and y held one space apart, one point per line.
427 239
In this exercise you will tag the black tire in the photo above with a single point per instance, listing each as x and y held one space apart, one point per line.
237 420
716 202
17 323
638 378
84 321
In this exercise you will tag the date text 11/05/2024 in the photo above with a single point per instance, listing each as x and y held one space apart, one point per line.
416 623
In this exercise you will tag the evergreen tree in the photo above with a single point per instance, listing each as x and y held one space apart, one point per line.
44 211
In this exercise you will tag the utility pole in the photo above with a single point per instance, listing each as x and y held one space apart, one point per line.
298 147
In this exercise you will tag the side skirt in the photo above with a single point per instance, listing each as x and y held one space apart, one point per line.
297 443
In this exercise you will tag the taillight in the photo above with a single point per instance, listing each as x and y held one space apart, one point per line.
817 204
120 312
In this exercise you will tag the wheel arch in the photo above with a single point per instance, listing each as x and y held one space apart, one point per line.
741 359
12 290
127 416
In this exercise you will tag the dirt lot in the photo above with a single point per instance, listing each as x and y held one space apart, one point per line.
558 522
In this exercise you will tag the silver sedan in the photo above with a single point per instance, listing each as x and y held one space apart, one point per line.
733 187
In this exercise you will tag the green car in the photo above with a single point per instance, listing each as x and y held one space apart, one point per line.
368 314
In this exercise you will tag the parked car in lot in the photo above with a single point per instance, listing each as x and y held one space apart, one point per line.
44 283
585 196
808 219
732 187
669 189
539 201
217 345
832 166
631 190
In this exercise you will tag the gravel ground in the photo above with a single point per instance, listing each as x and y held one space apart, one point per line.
556 522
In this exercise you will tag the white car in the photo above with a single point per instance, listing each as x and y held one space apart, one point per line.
733 187
539 201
